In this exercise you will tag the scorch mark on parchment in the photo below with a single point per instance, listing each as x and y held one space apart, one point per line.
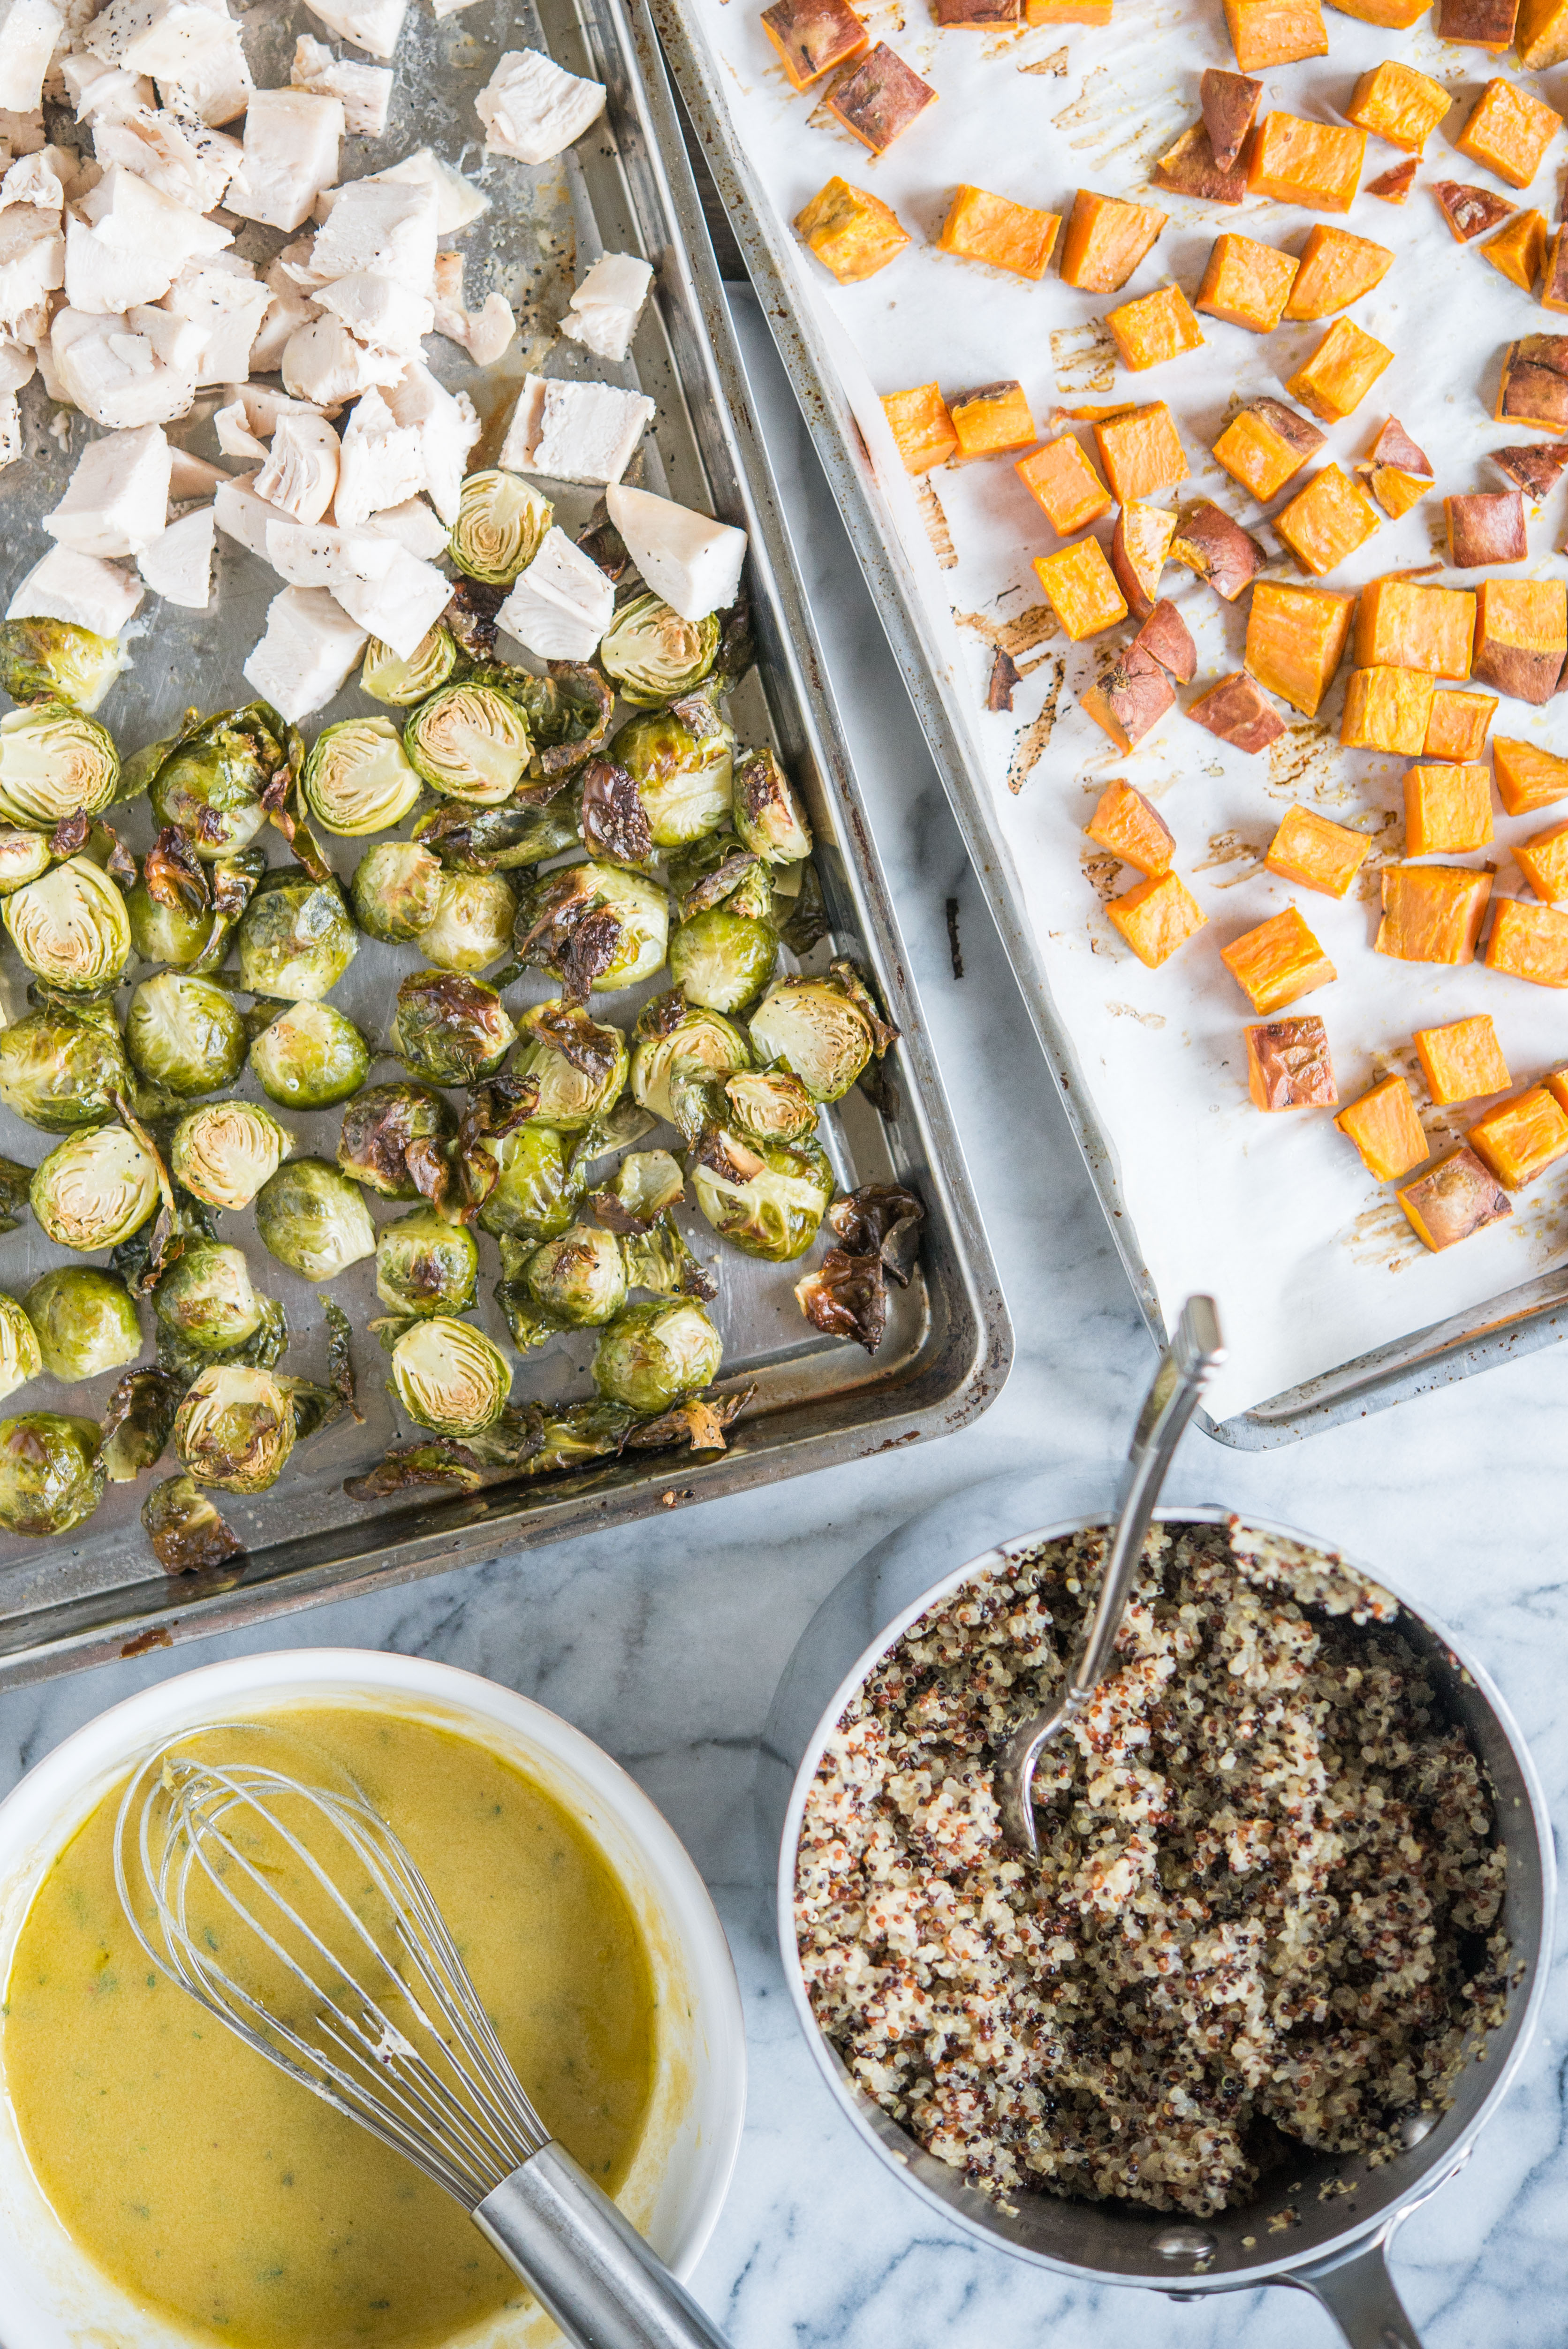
1083 357
1020 635
1130 1011
935 522
1038 732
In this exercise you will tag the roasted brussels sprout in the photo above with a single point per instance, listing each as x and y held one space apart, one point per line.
537 1188
596 926
21 1358
575 1282
770 1105
357 778
211 784
397 890
717 870
223 1152
573 1069
54 763
650 654
449 1376
470 742
184 1033
23 856
670 1031
206 1299
296 938
473 922
568 715
823 1030
51 1476
501 521
450 1029
767 1199
645 1182
71 927
424 1265
722 961
313 1219
683 777
45 659
382 1126
235 1428
84 1321
767 814
61 1070
495 839
186 1534
181 911
402 683
170 932
653 1353
96 1188
310 1057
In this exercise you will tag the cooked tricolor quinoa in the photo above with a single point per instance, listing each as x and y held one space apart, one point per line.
1266 1890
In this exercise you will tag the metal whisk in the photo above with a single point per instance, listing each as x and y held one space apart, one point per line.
280 1898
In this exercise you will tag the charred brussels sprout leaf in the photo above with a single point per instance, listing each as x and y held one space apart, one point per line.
357 778
21 1358
653 1354
450 1029
884 1220
340 1360
823 1030
54 763
470 742
846 1297
800 915
473 922
768 815
313 1219
14 1179
83 1320
71 927
138 1421
501 521
96 1188
425 1264
722 961
770 1105
397 890
645 1182
650 654
402 683
766 1199
736 644
170 907
575 1282
615 824
310 1057
211 784
186 1534
387 1128
571 1070
448 1377
719 871
495 840
235 1428
537 1187
61 1070
45 659
206 1301
568 715
136 773
223 1152
670 1033
184 1033
596 926
23 856
51 1474
296 938
683 777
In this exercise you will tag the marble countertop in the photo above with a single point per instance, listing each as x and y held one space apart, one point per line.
664 1641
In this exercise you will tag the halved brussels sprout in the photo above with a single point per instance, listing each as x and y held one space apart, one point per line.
95 1189
211 784
84 1322
296 938
206 1299
168 933
645 1182
767 1198
572 1068
61 1070
54 763
669 1031
40 659
500 525
51 1476
596 926
575 1282
310 1057
235 1428
537 1188
449 1029
770 1105
378 1128
313 1219
449 1376
721 960
21 1358
470 742
184 1033
357 778
424 1265
71 927
683 778
823 1030
767 813
223 1152
23 856
653 1353
473 922
397 890
651 655
495 839
401 683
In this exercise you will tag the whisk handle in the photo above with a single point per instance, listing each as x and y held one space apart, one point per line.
585 2264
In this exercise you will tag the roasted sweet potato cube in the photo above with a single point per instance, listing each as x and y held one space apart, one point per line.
1289 1065
1533 388
1246 283
1130 699
1554 271
1386 1130
1460 1196
1156 917
1394 446
1463 1061
1341 371
1520 1139
982 227
1457 727
1315 164
1557 1086
1394 186
1485 526
1478 23
1325 521
1396 16
1229 101
1265 33
1156 327
1265 445
992 420
1528 942
1518 250
1236 711
1395 490
1064 485
1218 549
977 15
1139 453
1507 131
1531 468
852 232
1080 588
1543 861
1067 12
1278 962
1521 636
1448 810
1336 270
1130 827
1387 710
1470 211
1166 638
878 99
1397 103
1296 638
1541 34
1105 239
1138 545
813 36
1527 777
1432 913
1405 624
1189 169
1318 855
921 427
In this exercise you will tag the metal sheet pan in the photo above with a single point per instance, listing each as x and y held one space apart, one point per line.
79 1600
1532 1314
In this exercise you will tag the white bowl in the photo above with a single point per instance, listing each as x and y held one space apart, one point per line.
54 2298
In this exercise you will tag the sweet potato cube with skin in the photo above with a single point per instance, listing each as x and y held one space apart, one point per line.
977 15
1448 810
1533 387
1470 211
921 427
1278 962
1405 624
1265 445
1318 855
1064 485
1080 588
1543 861
852 233
1130 827
1230 102
1460 1196
1288 1065
1156 327
1520 1139
1387 710
1336 270
1246 283
1397 103
1138 545
982 227
1325 521
1265 33
1166 638
1189 169
1531 468
1394 446
1295 639
1156 917
1401 472
1554 268
1541 34
1393 187
1520 637
1395 490
1139 453
1518 250
878 99
1528 942
1218 549
1457 727
1478 24
1130 699
1315 164
1341 371
1237 713
813 36
1508 132
992 421
1386 1130
1432 913
1486 526
1105 239
1527 777
1463 1061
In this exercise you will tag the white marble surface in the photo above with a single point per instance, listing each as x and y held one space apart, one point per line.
665 1642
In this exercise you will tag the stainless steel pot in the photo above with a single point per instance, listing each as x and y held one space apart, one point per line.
1341 2214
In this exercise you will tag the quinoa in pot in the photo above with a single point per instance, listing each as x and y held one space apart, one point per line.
1267 1891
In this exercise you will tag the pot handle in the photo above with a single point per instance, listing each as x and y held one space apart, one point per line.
1358 2293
